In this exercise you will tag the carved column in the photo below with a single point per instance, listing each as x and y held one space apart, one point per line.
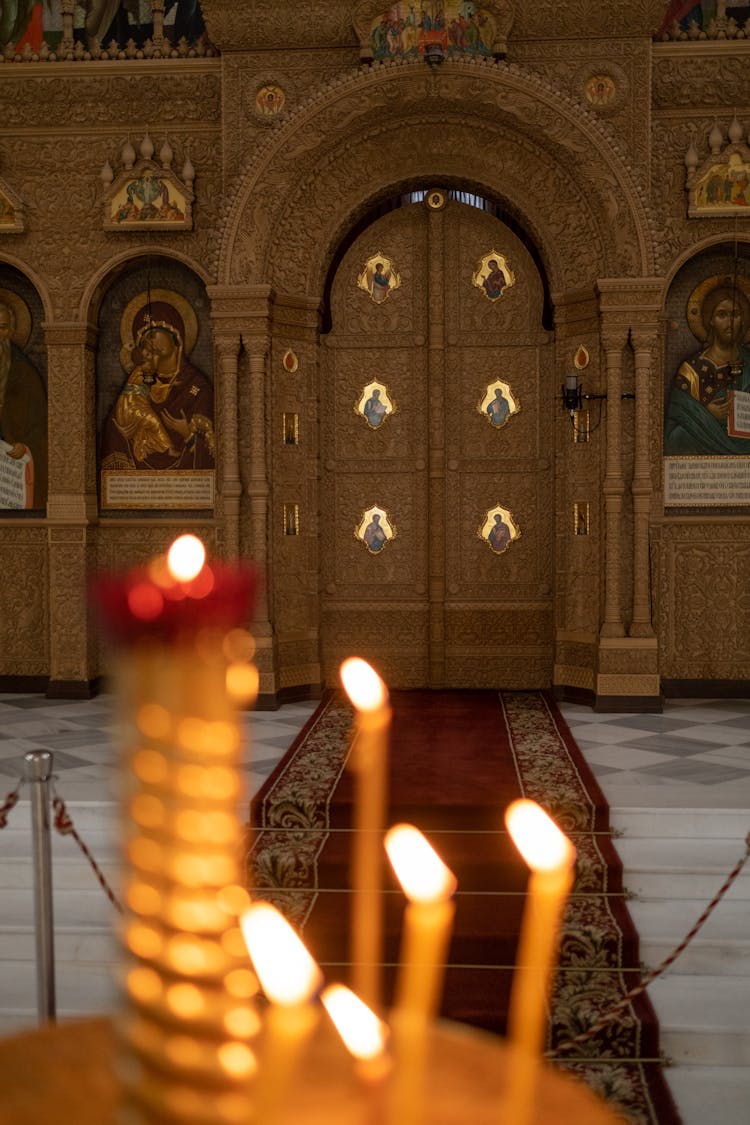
228 348
614 339
71 505
257 480
436 496
627 675
644 342
67 8
157 11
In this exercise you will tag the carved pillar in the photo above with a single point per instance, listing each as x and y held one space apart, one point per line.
257 480
67 8
157 11
228 348
436 496
614 341
644 341
240 315
627 675
71 505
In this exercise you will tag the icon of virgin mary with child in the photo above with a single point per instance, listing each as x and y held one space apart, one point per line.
163 417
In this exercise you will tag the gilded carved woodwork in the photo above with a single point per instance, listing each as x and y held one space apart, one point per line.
295 171
596 181
704 628
24 601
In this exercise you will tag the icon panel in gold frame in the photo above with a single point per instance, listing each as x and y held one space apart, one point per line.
375 403
378 277
581 518
499 529
498 404
493 275
375 529
291 519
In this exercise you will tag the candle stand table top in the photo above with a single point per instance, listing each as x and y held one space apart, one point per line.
66 1072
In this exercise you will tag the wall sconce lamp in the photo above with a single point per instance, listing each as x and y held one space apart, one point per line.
573 396
434 54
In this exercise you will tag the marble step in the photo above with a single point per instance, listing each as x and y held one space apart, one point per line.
685 869
672 921
679 823
102 841
71 944
719 1094
69 872
703 1020
725 958
86 907
79 988
700 887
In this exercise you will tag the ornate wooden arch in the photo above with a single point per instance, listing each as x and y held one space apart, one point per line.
108 271
494 125
35 279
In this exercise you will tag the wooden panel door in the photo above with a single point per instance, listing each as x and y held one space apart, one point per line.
437 605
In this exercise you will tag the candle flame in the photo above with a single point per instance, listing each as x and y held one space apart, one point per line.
418 868
537 837
362 684
185 558
364 1035
286 971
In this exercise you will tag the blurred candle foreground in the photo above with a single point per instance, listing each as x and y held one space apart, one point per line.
365 1037
369 762
551 857
290 978
188 1020
428 919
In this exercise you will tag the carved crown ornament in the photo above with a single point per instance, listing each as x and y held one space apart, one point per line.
434 31
11 210
719 185
147 194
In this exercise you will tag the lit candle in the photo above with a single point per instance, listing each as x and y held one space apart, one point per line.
188 1022
551 856
365 1036
428 918
369 761
290 978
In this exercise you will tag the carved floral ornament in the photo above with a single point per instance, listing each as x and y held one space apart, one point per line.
298 166
11 210
146 194
719 185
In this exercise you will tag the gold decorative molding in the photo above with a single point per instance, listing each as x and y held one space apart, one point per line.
567 675
628 685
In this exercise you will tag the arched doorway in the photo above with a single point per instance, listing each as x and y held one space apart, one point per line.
442 601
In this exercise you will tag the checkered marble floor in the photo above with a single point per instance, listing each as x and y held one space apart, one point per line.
82 736
696 754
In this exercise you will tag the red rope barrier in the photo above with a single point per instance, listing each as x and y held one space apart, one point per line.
8 805
647 980
65 827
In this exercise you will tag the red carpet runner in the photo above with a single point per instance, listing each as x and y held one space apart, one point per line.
457 759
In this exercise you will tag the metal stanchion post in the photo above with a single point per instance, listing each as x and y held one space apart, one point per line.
38 774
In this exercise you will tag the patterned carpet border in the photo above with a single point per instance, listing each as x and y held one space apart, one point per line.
292 823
